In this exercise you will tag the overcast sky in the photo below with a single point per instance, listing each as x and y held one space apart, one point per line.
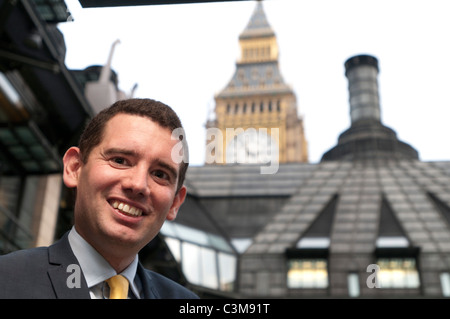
184 54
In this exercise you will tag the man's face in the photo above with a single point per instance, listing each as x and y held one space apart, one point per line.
127 187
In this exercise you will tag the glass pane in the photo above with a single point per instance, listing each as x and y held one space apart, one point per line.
398 273
353 285
199 265
38 152
227 271
219 243
168 229
445 283
191 234
307 273
190 263
25 135
174 246
19 152
209 268
195 236
7 137
9 90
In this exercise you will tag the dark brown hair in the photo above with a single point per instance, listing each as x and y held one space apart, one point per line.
154 110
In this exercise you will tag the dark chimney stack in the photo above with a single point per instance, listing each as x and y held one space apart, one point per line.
367 138
362 74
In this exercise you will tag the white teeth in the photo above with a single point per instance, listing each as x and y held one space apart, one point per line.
127 209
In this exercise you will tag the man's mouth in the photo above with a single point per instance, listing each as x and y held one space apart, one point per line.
127 209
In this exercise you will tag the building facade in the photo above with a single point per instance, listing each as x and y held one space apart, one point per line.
370 220
256 115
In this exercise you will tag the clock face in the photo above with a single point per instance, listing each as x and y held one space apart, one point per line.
252 146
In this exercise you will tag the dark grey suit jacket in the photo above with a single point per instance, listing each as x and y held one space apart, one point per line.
42 273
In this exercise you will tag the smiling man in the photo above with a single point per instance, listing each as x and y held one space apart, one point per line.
127 184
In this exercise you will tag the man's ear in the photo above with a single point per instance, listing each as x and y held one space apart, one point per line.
72 164
177 201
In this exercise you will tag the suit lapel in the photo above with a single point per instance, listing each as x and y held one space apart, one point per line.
148 289
60 272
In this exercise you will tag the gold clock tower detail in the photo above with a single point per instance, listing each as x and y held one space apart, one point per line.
256 103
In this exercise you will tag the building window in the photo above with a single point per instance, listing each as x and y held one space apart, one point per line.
206 259
199 264
445 284
398 273
353 285
307 273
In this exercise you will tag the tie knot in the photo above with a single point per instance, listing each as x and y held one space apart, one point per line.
118 286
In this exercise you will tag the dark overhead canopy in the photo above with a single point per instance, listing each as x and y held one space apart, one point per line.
118 3
42 107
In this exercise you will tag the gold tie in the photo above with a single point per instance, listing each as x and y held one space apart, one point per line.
118 286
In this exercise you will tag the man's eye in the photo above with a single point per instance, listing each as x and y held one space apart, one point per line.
119 161
161 175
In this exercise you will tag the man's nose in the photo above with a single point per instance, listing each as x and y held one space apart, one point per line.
137 181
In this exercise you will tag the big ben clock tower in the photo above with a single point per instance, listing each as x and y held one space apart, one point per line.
256 113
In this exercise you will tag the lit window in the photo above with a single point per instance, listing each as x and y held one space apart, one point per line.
353 285
307 273
398 273
445 283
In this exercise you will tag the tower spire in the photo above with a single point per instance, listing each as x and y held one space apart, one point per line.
258 26
257 41
257 99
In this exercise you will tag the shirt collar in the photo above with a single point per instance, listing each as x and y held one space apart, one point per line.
95 268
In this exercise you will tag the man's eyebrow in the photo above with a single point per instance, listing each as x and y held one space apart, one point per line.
122 151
